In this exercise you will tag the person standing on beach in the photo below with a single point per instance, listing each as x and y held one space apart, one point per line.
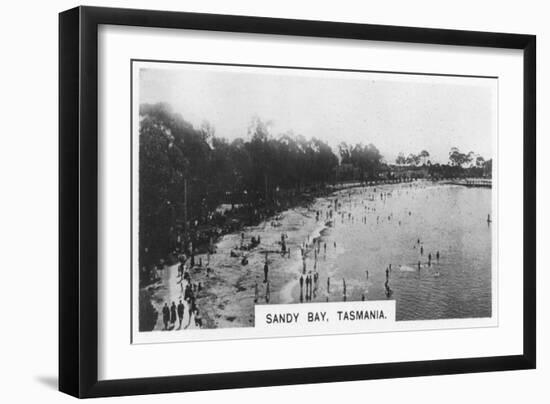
267 292
437 256
190 309
173 315
165 315
180 313
186 292
198 318
266 270
301 283
345 290
256 292
328 285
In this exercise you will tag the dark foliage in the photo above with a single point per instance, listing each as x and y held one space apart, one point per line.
187 173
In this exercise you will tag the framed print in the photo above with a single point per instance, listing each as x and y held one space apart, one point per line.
271 201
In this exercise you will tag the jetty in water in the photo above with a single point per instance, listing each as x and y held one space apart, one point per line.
474 182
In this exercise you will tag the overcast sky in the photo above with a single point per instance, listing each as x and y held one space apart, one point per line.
395 112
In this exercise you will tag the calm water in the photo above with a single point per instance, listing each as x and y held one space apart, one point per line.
371 232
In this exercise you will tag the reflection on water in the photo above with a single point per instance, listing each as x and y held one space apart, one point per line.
402 226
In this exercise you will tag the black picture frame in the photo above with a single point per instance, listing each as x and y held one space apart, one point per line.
78 200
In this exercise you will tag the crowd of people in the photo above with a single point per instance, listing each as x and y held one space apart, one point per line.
314 274
189 291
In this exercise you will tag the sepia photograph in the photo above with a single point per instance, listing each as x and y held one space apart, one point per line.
266 196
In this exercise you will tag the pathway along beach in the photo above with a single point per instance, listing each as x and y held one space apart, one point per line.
435 236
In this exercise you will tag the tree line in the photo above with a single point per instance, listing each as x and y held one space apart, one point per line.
460 164
187 172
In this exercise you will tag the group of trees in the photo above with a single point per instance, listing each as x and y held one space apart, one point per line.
365 161
185 173
421 158
456 159
460 159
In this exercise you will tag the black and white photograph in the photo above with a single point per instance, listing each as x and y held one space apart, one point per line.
311 200
275 202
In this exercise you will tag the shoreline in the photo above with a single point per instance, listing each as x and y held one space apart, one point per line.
227 296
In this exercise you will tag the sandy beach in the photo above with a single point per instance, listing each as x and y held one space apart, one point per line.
374 226
227 293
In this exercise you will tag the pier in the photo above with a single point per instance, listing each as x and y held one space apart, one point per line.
474 182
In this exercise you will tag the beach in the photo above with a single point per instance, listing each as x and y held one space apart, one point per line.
372 227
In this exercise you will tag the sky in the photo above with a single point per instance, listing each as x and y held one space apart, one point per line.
396 112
